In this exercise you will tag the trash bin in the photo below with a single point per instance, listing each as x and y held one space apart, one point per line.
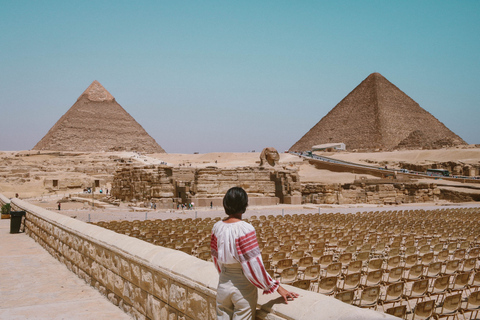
16 221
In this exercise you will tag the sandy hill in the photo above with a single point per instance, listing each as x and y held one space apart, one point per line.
378 115
96 123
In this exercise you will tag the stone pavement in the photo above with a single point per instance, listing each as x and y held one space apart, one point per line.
34 285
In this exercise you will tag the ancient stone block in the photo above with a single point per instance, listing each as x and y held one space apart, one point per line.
177 297
197 305
161 286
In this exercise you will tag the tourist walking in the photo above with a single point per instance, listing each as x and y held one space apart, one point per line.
238 260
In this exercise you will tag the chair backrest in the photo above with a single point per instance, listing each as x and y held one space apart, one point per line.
374 277
312 271
443 255
473 301
476 279
302 284
346 296
410 251
279 255
354 266
289 274
369 296
395 251
325 260
395 291
441 284
395 274
375 264
416 271
393 262
428 257
411 260
284 263
305 262
452 303
452 266
424 309
297 254
327 285
334 269
461 280
352 281
419 288
469 264
398 311
363 256
345 258
434 269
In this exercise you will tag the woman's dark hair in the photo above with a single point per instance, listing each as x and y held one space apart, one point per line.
235 201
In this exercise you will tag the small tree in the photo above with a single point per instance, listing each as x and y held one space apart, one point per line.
6 208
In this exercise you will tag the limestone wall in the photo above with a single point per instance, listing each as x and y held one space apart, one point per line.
160 183
152 282
374 194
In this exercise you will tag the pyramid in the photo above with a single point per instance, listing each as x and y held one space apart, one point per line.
378 115
96 123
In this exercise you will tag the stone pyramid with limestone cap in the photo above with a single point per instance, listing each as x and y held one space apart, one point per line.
378 115
96 123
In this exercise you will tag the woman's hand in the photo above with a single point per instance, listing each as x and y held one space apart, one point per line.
287 295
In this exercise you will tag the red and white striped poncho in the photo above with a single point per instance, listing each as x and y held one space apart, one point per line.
237 243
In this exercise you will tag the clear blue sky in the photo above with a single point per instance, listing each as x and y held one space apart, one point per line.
233 76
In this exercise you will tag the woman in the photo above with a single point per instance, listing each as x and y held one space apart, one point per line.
238 259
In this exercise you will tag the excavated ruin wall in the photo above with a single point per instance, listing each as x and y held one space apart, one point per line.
204 185
152 282
373 194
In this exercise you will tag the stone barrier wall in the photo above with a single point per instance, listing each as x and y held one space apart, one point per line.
152 282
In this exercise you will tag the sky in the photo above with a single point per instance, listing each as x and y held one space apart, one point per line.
233 76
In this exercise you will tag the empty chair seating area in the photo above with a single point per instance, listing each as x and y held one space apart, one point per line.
191 236
413 264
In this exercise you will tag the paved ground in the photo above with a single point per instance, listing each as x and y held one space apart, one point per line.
34 285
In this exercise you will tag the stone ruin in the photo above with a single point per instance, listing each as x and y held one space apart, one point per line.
168 186
377 115
269 156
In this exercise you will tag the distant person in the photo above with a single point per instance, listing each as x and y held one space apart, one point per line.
238 260
16 195
59 206
211 205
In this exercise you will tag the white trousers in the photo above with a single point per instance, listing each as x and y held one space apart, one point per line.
236 296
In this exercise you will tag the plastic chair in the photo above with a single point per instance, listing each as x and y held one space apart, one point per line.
461 281
302 284
398 311
304 262
452 266
354 267
333 269
393 294
289 275
415 272
395 275
352 281
450 307
410 261
282 265
325 260
469 264
373 278
327 285
369 297
424 310
433 269
443 255
346 296
311 272
419 290
473 305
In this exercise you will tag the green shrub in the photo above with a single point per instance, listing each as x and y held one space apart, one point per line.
6 208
